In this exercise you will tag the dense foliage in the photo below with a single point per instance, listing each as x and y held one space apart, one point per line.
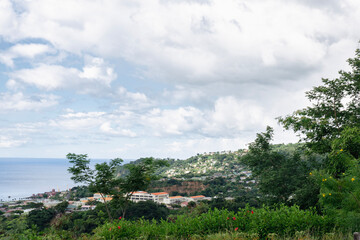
282 175
261 222
336 106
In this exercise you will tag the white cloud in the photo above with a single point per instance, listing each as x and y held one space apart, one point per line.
79 121
183 94
232 116
13 85
78 115
90 123
20 102
8 142
8 21
134 96
194 75
108 129
47 77
23 51
173 122
228 118
94 77
194 42
96 70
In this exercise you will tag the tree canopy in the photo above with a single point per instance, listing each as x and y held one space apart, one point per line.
103 178
335 106
281 175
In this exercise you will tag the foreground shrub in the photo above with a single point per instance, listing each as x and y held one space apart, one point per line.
282 221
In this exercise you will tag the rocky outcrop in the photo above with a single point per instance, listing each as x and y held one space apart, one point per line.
188 187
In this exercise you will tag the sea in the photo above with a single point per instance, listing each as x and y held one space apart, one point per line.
22 177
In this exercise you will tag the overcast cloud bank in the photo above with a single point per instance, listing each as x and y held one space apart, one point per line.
161 78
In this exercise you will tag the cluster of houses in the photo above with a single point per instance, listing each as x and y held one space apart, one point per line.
158 197
163 197
15 207
225 152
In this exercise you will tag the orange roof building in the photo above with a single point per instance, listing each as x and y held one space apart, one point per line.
160 193
175 197
197 198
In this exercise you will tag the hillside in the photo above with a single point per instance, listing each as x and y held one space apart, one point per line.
210 165
213 164
201 166
211 174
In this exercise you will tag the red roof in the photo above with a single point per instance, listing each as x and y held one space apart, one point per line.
176 197
159 193
200 196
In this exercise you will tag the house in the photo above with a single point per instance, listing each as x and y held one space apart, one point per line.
197 198
100 198
87 207
50 203
71 208
175 199
26 211
141 196
159 197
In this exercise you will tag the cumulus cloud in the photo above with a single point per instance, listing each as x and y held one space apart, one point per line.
228 41
133 96
94 77
173 121
23 51
20 102
229 117
183 94
8 142
8 20
108 129
186 74
79 121
47 77
89 123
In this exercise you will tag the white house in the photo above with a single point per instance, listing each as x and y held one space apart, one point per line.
141 196
175 199
160 197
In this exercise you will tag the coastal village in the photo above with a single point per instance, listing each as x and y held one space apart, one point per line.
206 166
24 206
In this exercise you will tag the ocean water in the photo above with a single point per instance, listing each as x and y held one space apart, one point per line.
22 177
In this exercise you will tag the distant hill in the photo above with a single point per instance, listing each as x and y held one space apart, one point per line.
213 164
210 174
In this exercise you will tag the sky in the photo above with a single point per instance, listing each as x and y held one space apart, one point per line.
162 78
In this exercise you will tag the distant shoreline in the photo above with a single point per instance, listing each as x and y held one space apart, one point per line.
22 177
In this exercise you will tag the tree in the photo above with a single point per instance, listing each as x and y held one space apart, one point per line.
335 106
61 207
280 175
339 180
138 177
332 126
148 210
40 217
101 179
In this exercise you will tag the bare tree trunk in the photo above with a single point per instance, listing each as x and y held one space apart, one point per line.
126 204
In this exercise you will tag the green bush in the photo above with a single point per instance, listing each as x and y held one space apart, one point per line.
282 221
